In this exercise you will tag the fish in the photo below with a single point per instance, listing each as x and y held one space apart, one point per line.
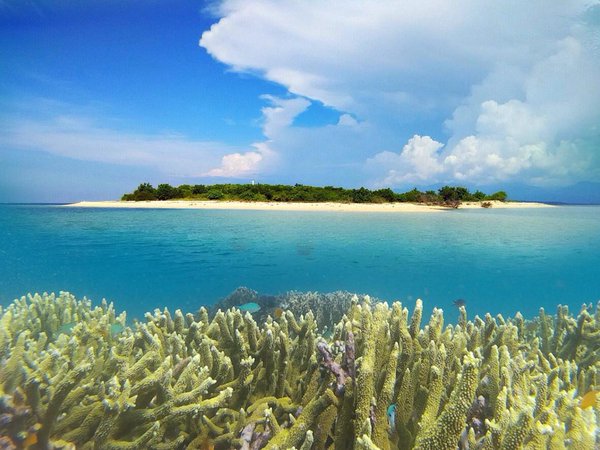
116 328
459 302
207 444
250 307
66 328
589 399
30 440
278 312
391 416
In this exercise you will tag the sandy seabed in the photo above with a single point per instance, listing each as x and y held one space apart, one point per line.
281 206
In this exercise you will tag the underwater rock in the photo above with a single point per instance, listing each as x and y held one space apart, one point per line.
183 381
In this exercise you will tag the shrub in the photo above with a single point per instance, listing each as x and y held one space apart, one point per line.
144 191
500 195
362 195
215 194
167 192
198 189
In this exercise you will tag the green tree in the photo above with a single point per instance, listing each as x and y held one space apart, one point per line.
478 195
500 195
362 195
215 194
453 193
199 189
184 191
144 191
413 196
385 194
452 196
166 192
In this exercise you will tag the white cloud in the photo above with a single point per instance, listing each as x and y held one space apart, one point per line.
237 164
263 159
281 113
82 139
516 84
418 162
347 120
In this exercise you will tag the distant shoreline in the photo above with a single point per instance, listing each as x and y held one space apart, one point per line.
296 206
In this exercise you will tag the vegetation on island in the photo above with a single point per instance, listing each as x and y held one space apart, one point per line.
447 195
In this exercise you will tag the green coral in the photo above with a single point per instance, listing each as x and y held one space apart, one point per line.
183 381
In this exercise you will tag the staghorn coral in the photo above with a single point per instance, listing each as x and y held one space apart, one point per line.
327 308
178 381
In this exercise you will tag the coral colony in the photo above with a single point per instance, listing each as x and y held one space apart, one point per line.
77 376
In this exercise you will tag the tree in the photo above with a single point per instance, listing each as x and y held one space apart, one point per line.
184 191
362 195
452 196
413 196
166 192
500 195
198 189
478 195
386 194
144 191
215 194
453 193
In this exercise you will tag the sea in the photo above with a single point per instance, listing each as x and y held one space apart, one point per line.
497 260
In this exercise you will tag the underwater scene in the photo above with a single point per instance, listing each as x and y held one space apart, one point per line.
182 329
308 225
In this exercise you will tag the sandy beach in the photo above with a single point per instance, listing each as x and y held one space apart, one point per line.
278 206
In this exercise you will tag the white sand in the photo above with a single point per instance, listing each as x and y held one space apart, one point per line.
279 206
511 205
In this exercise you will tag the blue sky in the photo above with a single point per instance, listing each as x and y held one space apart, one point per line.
96 98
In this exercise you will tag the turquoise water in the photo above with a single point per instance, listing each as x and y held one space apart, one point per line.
499 261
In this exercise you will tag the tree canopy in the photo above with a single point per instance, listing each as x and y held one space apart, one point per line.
446 195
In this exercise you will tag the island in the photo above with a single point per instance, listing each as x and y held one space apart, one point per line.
255 192
301 197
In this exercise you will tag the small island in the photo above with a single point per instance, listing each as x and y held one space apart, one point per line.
447 196
299 197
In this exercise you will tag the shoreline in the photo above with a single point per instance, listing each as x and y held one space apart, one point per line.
284 206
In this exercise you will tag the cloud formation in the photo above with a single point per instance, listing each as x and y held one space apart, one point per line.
477 91
81 138
276 117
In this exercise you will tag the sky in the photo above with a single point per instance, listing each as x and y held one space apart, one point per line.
97 97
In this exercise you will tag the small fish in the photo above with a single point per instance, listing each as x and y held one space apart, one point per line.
589 399
116 328
66 328
391 415
459 302
278 312
207 444
31 438
251 307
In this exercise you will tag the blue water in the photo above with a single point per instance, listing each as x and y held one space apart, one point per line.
498 260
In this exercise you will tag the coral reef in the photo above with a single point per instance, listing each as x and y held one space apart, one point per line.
326 308
76 376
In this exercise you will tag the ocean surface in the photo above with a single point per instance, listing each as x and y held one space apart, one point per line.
498 261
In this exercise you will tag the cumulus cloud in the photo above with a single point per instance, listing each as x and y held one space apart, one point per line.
277 117
550 137
418 162
489 91
237 164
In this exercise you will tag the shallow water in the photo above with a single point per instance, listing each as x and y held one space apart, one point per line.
498 260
